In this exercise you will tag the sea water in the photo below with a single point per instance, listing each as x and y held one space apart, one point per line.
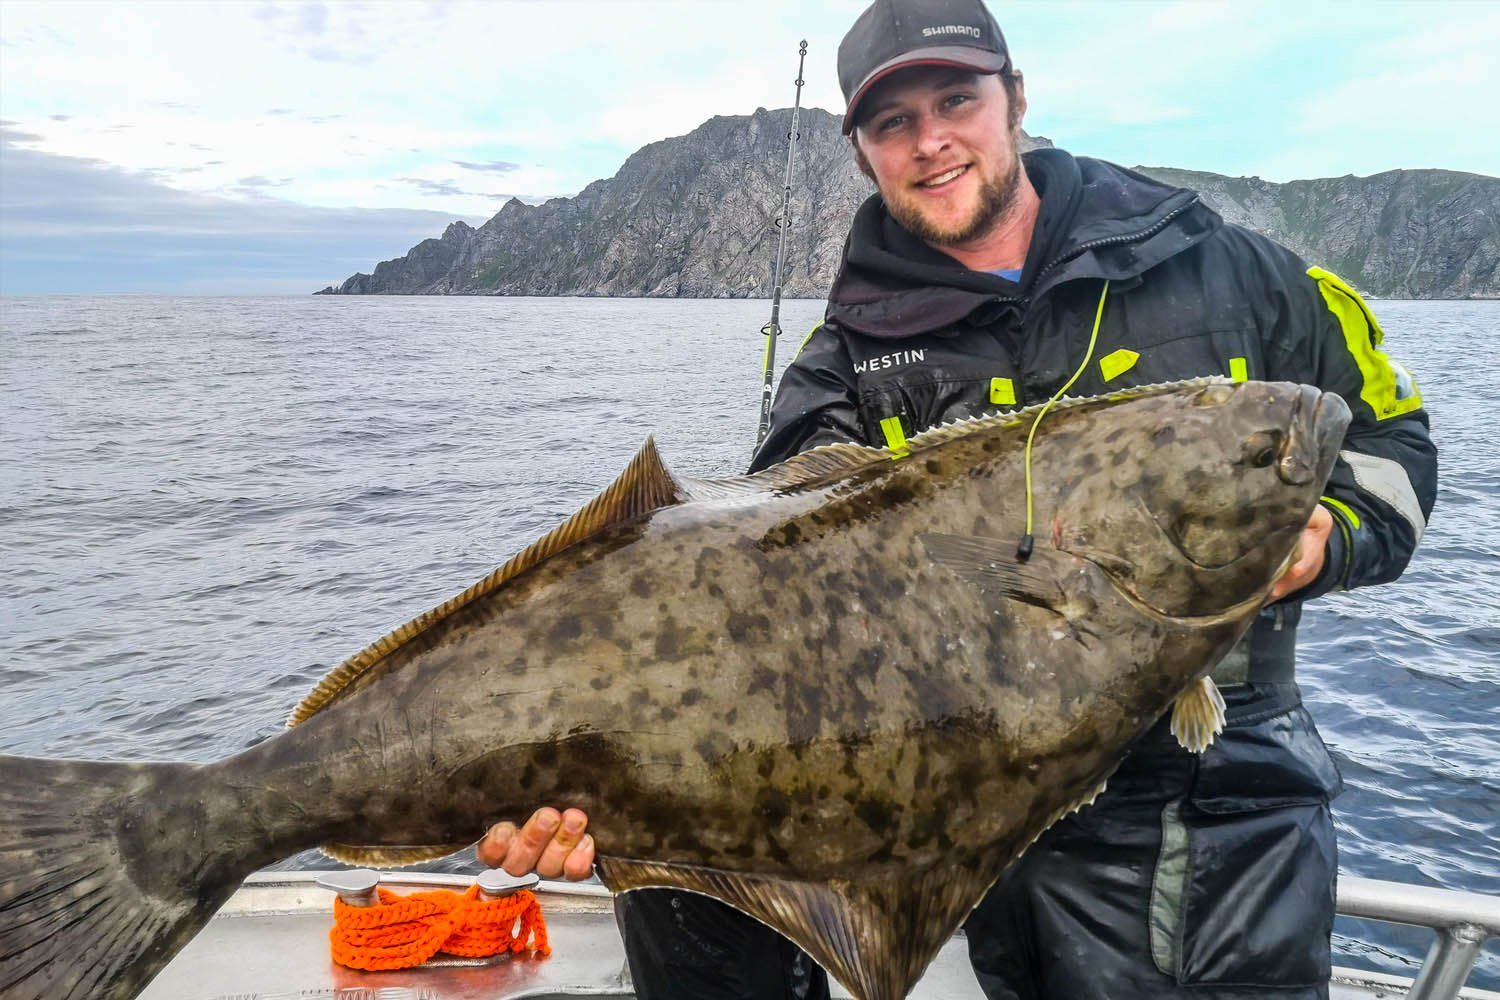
206 503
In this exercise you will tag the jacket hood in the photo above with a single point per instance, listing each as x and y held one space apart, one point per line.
1097 220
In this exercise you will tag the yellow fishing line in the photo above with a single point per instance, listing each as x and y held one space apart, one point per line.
1024 549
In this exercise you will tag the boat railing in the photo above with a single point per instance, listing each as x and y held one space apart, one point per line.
1464 921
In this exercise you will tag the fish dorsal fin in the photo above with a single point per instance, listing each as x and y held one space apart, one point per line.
966 426
877 937
644 486
828 463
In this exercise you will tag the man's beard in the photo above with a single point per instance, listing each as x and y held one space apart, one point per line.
995 199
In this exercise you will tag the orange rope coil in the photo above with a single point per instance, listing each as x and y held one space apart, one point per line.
402 931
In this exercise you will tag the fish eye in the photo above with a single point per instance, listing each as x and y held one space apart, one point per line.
1263 448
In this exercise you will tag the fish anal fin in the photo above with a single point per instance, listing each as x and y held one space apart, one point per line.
645 485
1089 798
377 856
875 937
992 565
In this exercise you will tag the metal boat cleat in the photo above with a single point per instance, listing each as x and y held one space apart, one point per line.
498 883
355 886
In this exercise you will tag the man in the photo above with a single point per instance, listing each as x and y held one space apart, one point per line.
972 281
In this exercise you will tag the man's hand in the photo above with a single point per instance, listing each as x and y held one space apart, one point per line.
1312 549
550 844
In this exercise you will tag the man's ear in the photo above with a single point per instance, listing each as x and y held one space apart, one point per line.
1018 109
859 156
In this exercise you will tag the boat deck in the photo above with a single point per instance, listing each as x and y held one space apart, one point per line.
270 942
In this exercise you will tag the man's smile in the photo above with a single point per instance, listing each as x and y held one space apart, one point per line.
944 178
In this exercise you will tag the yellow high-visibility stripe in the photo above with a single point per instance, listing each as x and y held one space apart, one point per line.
816 327
1002 392
1382 385
1239 369
1117 363
1344 509
1347 532
895 437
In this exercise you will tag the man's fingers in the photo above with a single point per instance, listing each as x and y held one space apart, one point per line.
527 846
567 837
552 844
580 863
1311 551
491 850
1297 576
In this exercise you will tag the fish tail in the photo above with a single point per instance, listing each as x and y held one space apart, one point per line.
84 912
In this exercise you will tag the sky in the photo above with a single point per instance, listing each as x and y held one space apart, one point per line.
277 147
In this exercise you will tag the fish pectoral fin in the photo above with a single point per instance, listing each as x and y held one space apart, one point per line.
1198 715
992 565
382 856
875 937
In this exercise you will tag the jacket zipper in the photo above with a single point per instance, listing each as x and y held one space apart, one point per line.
1106 241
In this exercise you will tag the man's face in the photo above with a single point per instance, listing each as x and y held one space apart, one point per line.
940 145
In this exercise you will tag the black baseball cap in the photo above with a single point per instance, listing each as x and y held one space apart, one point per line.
894 34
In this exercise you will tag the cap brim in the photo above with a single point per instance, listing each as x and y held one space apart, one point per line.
957 56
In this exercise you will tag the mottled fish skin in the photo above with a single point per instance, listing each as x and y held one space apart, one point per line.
786 684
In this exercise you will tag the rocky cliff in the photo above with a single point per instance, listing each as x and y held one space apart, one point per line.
695 216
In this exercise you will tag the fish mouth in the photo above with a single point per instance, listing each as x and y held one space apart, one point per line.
1313 437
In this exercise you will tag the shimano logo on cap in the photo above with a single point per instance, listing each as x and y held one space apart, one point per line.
952 29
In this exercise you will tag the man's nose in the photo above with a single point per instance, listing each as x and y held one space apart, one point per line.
932 136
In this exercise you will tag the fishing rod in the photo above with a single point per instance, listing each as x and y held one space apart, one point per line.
772 330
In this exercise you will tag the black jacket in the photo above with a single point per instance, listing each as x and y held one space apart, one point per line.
911 333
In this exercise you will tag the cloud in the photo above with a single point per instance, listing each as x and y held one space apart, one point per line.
300 57
454 189
332 166
1422 98
352 34
13 134
246 187
495 166
69 224
433 187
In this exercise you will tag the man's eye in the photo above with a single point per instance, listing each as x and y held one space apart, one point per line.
894 121
954 100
